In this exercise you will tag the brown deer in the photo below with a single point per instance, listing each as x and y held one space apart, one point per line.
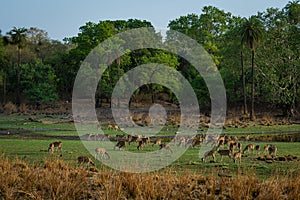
54 145
116 127
224 152
146 140
165 146
237 155
257 148
239 146
266 148
136 138
120 144
102 153
248 148
141 144
272 150
197 142
211 153
157 141
109 126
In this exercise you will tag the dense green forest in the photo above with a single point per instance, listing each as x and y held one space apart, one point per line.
258 58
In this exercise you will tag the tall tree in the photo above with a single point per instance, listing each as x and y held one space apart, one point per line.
3 66
17 36
251 33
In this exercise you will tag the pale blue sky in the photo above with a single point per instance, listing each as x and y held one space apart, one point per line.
62 18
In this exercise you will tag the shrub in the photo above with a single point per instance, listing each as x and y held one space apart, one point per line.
23 108
9 108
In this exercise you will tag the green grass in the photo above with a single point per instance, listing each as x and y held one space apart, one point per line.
32 147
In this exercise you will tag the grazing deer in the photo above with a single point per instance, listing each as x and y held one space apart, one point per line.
224 153
211 153
109 126
197 142
182 141
272 150
101 152
157 141
146 140
141 144
116 127
133 138
232 146
266 148
221 141
248 148
85 160
120 144
237 155
239 146
257 148
165 146
52 146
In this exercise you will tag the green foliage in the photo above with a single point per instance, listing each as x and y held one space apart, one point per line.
224 36
39 82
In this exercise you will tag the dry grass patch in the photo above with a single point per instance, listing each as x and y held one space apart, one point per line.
56 179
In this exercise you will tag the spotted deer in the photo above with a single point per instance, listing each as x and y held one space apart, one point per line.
141 144
224 152
248 148
272 150
237 155
157 141
102 153
165 146
54 145
211 153
266 148
120 144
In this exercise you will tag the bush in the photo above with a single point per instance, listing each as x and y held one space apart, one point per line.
9 108
23 108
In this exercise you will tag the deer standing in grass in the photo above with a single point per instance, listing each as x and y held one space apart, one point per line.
248 148
237 155
239 146
141 144
165 146
54 145
157 141
257 148
266 148
85 160
102 153
272 150
120 144
211 153
224 152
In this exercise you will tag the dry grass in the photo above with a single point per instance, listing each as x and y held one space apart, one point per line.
56 179
9 108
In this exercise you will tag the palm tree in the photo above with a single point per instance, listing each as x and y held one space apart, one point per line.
18 38
251 33
243 82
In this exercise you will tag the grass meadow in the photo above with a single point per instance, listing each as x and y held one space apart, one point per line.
29 171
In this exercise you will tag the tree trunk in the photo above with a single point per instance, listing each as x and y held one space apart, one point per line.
18 101
252 115
4 84
244 84
118 61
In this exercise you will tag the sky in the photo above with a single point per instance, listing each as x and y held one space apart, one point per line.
62 18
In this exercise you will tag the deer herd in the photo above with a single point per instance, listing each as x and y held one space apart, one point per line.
227 146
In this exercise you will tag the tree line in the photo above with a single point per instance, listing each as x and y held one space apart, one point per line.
258 58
